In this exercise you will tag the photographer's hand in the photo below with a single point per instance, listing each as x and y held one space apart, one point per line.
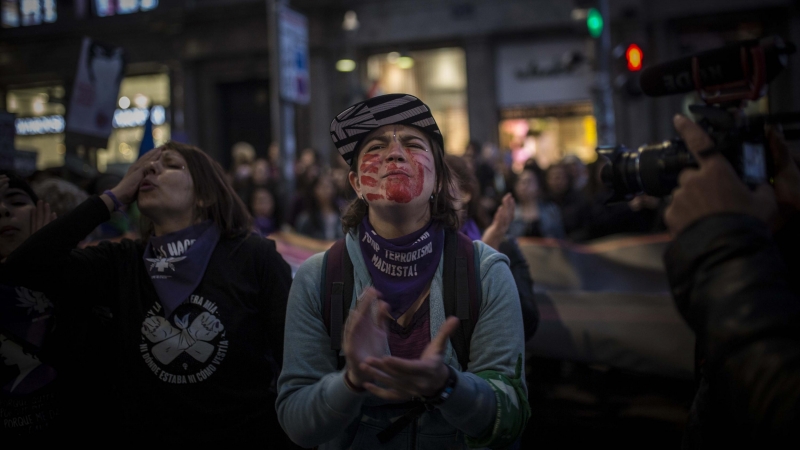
713 188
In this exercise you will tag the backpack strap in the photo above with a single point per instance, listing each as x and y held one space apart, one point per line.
337 291
461 299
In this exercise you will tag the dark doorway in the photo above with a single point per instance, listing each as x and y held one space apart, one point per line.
244 115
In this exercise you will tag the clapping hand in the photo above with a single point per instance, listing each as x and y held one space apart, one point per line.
403 379
365 335
496 232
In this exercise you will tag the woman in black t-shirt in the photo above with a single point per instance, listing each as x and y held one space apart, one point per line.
197 306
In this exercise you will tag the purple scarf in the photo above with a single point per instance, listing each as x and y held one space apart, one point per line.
470 228
177 262
401 268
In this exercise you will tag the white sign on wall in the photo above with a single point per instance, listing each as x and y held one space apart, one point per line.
293 40
541 73
94 94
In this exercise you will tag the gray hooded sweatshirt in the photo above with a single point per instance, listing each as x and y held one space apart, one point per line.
314 406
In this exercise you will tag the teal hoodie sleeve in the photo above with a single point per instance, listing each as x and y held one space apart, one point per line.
497 344
313 405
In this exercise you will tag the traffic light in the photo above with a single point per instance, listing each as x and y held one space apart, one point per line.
594 22
628 62
634 56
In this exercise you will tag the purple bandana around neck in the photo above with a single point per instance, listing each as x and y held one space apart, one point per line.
402 267
470 228
177 262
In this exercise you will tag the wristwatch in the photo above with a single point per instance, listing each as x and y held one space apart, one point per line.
445 393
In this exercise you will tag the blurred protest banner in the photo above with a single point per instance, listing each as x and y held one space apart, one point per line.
296 248
94 95
607 302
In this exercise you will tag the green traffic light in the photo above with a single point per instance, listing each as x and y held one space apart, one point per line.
594 21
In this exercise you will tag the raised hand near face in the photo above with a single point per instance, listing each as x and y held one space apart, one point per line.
128 188
402 379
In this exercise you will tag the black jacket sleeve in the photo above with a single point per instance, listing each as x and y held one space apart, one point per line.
275 285
522 277
731 285
49 261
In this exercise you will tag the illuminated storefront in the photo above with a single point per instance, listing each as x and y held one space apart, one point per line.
105 8
547 134
139 97
40 122
16 13
544 95
438 76
41 119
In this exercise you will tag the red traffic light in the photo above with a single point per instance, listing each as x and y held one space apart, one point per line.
634 56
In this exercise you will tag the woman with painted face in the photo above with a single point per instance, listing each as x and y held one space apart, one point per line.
197 305
399 373
29 391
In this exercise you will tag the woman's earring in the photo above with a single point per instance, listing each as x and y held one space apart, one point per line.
433 199
363 199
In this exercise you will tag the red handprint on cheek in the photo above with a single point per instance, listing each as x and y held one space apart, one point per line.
370 164
368 181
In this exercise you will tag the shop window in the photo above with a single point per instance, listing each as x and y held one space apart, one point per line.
40 122
140 98
41 119
106 8
547 134
17 13
438 77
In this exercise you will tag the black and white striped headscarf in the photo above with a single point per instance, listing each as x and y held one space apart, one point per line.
355 122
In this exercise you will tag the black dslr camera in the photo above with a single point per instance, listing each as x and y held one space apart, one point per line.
726 79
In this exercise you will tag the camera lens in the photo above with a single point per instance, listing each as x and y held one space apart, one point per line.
619 172
652 169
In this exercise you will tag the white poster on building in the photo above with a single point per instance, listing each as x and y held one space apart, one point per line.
543 73
293 39
94 94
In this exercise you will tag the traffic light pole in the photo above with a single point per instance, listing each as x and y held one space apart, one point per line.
603 90
281 111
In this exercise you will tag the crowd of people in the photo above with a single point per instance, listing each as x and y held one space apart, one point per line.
149 308
566 200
